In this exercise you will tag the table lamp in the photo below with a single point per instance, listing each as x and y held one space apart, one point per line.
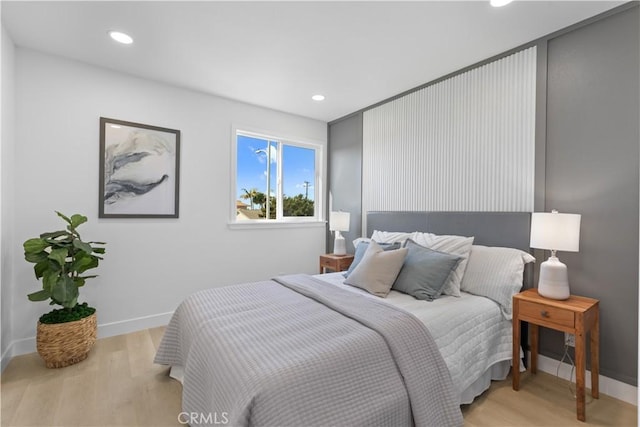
339 221
555 232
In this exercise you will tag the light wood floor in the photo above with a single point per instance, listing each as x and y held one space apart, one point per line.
118 385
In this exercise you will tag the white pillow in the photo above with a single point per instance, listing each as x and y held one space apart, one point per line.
357 241
390 236
495 273
378 269
454 245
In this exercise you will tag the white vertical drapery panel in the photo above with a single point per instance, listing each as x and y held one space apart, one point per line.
464 144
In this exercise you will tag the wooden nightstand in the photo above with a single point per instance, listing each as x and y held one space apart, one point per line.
335 262
576 315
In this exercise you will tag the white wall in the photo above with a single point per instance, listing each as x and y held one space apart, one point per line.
151 264
6 190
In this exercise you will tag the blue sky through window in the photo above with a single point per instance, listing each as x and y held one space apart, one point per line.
298 167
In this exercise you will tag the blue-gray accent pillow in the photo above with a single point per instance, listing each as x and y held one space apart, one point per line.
425 271
362 248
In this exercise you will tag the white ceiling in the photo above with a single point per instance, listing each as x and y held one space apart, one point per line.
278 54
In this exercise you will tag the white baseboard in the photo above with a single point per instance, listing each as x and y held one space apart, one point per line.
133 325
28 345
610 387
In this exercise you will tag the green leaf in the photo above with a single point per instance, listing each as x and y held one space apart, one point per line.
59 255
64 217
84 263
72 303
77 219
65 291
61 243
85 247
41 267
35 245
93 264
49 280
53 234
79 281
39 296
55 267
98 250
36 257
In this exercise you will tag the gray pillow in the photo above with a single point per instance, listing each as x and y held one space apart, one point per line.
425 271
455 245
362 248
378 270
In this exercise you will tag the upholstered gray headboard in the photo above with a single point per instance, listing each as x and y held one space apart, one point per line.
508 229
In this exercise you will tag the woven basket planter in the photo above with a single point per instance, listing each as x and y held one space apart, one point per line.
63 344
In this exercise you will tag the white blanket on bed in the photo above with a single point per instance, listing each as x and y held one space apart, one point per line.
469 330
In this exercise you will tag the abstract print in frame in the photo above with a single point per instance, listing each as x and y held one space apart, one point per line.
139 170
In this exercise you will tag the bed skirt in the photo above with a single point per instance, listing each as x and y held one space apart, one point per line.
497 372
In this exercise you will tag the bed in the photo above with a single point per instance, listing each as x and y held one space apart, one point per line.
312 350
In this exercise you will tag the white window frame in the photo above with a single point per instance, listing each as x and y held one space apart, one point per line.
281 221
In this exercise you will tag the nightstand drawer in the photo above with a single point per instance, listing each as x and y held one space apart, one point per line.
328 263
546 313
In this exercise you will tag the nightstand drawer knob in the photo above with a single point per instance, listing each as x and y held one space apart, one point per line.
544 313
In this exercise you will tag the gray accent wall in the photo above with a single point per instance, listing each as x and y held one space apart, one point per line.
592 169
345 175
587 162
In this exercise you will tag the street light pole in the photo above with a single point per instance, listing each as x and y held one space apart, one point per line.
306 189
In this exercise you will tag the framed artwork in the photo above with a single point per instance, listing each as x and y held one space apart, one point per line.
139 170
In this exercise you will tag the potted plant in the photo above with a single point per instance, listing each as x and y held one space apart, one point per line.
65 335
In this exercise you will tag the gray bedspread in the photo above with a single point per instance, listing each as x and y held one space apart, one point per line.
297 351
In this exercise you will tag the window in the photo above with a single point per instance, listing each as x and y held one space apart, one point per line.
276 179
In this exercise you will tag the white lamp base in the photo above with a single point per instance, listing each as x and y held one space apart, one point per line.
554 281
339 245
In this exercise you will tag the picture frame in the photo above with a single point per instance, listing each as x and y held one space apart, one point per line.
139 170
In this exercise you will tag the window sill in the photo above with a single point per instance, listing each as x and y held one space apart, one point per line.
263 224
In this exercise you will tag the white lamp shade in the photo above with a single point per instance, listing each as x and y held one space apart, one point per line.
555 231
339 221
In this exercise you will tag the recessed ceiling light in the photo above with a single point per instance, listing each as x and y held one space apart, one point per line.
500 3
318 97
121 37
